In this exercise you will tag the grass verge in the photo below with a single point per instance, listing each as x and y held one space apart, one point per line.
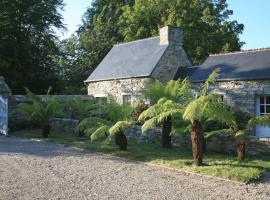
218 165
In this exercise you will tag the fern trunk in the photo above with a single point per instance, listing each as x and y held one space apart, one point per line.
121 141
197 140
241 150
166 133
46 130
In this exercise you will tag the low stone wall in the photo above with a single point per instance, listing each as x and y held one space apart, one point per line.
221 144
154 135
63 125
17 119
258 146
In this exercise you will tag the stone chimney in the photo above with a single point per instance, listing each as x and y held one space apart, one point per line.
171 35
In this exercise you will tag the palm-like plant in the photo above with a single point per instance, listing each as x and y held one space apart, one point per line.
81 109
263 120
167 110
41 110
109 120
208 106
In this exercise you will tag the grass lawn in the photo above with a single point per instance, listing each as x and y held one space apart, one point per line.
218 165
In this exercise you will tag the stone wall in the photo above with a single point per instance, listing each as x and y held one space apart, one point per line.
18 120
118 88
154 135
63 125
240 94
258 146
174 57
221 144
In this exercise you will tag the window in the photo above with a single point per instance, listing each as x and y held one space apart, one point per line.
101 100
264 105
127 99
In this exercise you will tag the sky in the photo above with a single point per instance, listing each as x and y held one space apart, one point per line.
254 14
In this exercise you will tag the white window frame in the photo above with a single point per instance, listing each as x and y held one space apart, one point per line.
264 104
262 131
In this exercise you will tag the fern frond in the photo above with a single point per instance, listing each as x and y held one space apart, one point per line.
120 126
100 133
153 122
262 120
210 81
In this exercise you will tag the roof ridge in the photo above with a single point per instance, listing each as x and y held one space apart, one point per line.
242 51
120 44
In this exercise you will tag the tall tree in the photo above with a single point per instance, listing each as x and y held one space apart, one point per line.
27 42
205 23
100 30
81 53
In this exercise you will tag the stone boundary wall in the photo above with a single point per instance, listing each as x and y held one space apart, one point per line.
221 144
154 135
63 125
17 119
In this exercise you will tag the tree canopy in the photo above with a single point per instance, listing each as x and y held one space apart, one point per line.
27 42
28 47
205 23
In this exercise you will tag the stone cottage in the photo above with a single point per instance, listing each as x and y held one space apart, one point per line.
127 67
244 81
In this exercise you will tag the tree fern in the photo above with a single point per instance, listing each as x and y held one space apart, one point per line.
41 109
263 120
210 81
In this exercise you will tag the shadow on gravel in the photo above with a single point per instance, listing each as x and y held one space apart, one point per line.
14 145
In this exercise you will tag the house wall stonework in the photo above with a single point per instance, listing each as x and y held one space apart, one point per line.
240 94
174 57
118 88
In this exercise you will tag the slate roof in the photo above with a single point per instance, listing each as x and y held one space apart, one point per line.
243 65
129 60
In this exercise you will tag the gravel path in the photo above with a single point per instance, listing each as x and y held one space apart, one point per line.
39 170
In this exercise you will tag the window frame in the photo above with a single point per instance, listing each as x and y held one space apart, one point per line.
264 104
129 102
101 98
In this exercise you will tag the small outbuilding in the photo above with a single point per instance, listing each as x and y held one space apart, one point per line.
5 92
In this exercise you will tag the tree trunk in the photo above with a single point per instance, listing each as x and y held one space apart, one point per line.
121 141
196 138
81 134
241 150
166 133
46 130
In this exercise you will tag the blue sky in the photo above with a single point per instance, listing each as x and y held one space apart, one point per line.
254 14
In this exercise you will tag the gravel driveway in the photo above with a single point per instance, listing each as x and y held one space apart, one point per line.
40 170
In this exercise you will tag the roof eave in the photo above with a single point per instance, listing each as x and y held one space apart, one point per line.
114 79
234 79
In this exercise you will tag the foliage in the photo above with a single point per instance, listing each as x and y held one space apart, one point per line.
139 107
174 95
105 120
263 120
81 109
27 43
156 114
41 109
177 91
206 25
209 106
